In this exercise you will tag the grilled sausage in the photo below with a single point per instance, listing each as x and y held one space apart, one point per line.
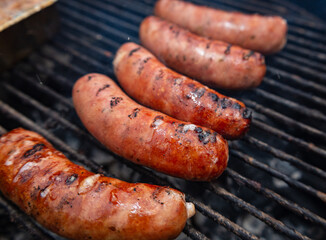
148 81
265 34
145 136
214 63
78 204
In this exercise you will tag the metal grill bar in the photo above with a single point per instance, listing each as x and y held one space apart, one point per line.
307 43
300 68
287 157
277 225
320 57
24 220
298 80
89 21
50 113
296 184
282 135
286 120
291 90
44 89
2 130
6 109
312 113
255 186
302 60
193 233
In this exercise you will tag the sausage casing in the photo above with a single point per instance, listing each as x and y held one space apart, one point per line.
148 81
213 63
145 136
265 34
78 204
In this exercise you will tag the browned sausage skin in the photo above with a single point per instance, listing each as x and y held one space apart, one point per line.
265 34
145 136
213 63
78 204
148 81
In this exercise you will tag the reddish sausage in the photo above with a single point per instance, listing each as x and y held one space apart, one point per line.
265 34
78 204
214 63
145 136
148 81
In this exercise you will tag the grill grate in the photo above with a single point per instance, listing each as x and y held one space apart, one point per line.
281 162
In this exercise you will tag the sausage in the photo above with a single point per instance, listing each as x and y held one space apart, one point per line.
145 136
265 34
148 81
78 204
214 63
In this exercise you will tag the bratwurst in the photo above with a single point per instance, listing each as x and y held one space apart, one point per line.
78 204
145 136
214 63
148 81
265 34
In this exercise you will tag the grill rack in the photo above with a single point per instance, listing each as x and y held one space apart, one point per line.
72 18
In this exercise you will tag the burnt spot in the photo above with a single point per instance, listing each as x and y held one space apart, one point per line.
180 128
171 27
38 147
248 55
198 130
199 92
246 113
102 88
65 201
191 85
114 101
225 103
157 121
213 137
146 59
252 37
204 137
134 113
208 45
159 75
71 179
141 65
175 32
89 77
134 50
213 96
228 49
236 106
155 193
184 58
112 228
101 186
